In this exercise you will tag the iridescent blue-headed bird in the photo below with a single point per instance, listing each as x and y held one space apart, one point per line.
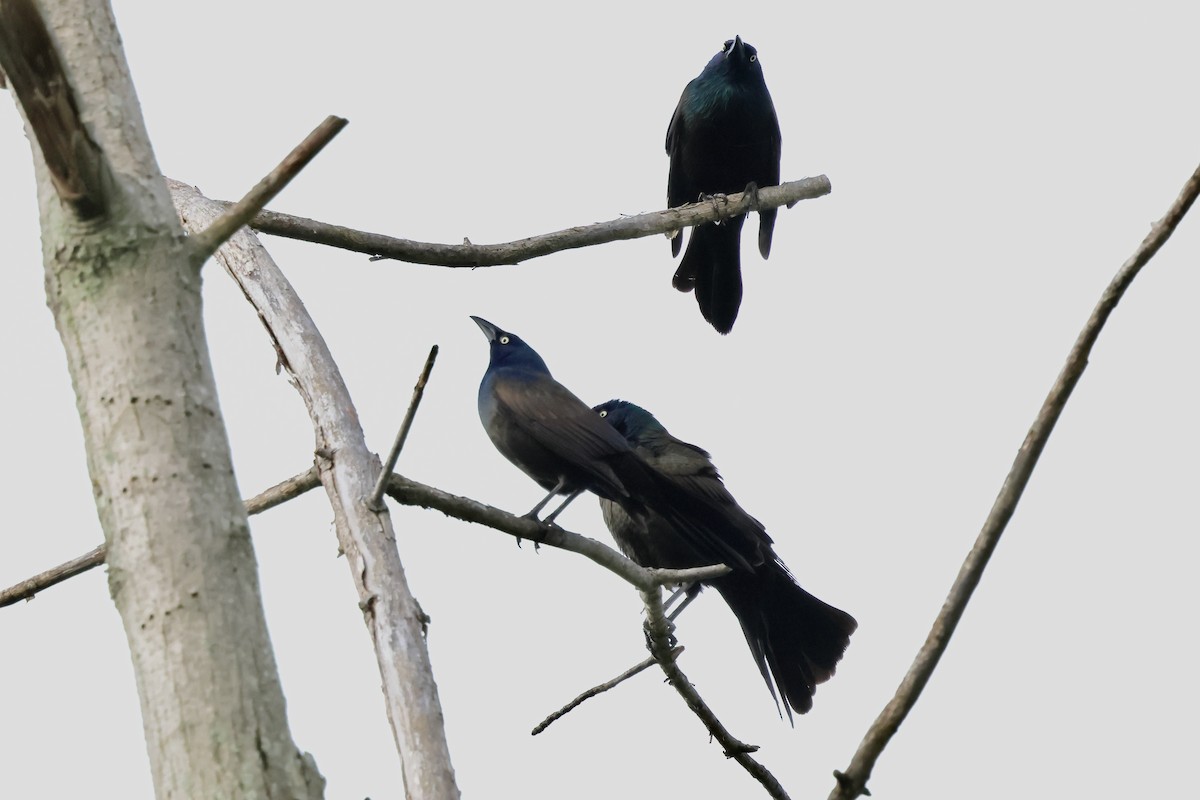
796 639
559 441
723 137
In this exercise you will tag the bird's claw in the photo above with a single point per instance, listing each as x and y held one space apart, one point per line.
720 204
752 190
672 642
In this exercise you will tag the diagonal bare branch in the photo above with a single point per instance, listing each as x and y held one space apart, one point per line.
238 214
659 628
269 498
491 255
376 501
348 471
601 688
26 589
410 493
853 782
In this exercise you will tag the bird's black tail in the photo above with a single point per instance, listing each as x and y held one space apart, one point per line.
796 639
712 266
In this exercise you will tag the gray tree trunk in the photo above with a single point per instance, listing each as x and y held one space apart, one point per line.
124 287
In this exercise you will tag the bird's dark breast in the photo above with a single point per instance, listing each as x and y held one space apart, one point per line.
724 158
531 457
652 543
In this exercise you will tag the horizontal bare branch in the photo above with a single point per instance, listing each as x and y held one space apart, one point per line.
238 214
491 255
26 589
411 493
853 782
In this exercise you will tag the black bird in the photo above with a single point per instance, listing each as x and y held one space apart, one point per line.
796 639
556 439
723 137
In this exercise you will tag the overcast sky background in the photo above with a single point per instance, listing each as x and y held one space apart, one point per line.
991 171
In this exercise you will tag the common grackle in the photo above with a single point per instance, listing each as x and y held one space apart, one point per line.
723 137
556 439
795 638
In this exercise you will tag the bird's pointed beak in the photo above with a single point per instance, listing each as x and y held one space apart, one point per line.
738 48
489 330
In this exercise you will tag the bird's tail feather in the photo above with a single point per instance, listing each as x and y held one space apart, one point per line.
766 227
712 266
797 640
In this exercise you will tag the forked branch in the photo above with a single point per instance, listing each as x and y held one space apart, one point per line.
491 255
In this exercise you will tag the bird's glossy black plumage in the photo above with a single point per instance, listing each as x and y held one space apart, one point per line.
723 136
559 441
796 639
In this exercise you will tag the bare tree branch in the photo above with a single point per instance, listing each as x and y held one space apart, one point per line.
26 589
659 628
490 255
640 667
283 491
411 493
853 782
235 216
376 501
348 471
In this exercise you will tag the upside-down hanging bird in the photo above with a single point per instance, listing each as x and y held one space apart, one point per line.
723 137
796 639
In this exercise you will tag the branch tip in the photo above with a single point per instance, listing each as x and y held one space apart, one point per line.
206 242
375 502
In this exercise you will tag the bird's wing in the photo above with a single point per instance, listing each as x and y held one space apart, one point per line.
678 190
690 468
563 424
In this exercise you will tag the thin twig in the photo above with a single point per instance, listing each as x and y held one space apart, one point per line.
279 493
240 213
283 491
600 689
491 255
411 493
853 782
376 501
26 589
659 628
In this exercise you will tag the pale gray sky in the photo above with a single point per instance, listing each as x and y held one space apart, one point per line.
990 170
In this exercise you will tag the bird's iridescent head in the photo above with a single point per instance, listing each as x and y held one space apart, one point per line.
508 349
736 58
633 422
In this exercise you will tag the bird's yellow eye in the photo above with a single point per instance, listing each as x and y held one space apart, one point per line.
503 340
603 413
753 59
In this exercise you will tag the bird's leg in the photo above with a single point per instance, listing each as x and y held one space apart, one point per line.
533 512
680 590
550 519
689 592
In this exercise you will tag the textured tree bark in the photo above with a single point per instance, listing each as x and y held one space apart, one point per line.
348 470
124 286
